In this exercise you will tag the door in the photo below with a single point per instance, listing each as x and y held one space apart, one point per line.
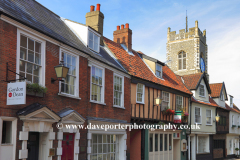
68 146
33 145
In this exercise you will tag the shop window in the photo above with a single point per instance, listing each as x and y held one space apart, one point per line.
203 144
156 142
165 142
6 132
170 142
104 147
161 142
151 142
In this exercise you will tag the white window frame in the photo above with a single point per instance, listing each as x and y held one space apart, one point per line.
122 97
103 85
231 101
200 90
200 115
76 92
14 133
163 92
158 70
143 95
208 143
43 54
222 95
210 117
94 33
178 100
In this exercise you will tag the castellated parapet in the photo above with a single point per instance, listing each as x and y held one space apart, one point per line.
192 33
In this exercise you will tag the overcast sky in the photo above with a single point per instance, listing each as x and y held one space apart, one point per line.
149 20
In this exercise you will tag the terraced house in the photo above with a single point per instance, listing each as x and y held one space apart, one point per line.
95 90
151 79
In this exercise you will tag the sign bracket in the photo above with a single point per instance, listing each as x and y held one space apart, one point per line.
7 80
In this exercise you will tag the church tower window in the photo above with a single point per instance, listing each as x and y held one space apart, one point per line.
182 58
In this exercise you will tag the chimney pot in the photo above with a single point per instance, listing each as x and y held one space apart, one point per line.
98 7
92 8
118 27
122 26
126 25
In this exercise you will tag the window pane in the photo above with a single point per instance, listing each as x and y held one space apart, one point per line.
23 53
30 56
170 142
165 142
161 142
23 41
96 47
22 66
37 47
29 68
29 77
151 142
37 58
156 142
30 44
7 132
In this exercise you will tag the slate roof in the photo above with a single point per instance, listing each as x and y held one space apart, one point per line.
31 108
136 67
34 15
216 89
67 111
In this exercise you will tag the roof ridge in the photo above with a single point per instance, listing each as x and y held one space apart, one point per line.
46 8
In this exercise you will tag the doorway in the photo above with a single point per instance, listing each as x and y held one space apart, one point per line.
33 146
68 146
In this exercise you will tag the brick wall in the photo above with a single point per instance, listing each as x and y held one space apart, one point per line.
217 153
8 46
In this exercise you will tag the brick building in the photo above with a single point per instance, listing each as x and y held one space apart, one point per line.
33 41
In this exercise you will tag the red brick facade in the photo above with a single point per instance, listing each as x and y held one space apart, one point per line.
8 50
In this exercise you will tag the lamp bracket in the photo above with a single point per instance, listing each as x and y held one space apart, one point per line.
7 80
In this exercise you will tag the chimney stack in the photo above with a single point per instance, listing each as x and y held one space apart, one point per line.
123 36
95 19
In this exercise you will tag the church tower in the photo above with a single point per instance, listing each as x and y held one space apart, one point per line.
187 52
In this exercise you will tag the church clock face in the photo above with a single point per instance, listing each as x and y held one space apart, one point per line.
202 65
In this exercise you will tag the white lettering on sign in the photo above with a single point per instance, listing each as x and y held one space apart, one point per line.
16 93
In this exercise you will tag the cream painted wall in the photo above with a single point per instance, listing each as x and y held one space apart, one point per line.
233 139
203 127
151 64
219 102
234 130
197 96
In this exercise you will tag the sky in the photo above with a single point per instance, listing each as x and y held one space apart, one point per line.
149 20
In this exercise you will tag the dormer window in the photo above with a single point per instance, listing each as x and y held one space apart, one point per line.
93 41
222 97
231 101
201 90
159 70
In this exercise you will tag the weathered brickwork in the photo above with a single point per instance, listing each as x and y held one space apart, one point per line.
193 43
8 50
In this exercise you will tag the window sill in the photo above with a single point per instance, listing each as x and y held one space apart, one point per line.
91 101
140 102
118 107
208 124
69 96
198 123
202 96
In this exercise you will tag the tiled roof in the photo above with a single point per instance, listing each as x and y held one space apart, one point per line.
234 109
136 67
192 80
211 102
216 89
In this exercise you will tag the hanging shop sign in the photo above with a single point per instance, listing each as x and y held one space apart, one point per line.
178 117
16 93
